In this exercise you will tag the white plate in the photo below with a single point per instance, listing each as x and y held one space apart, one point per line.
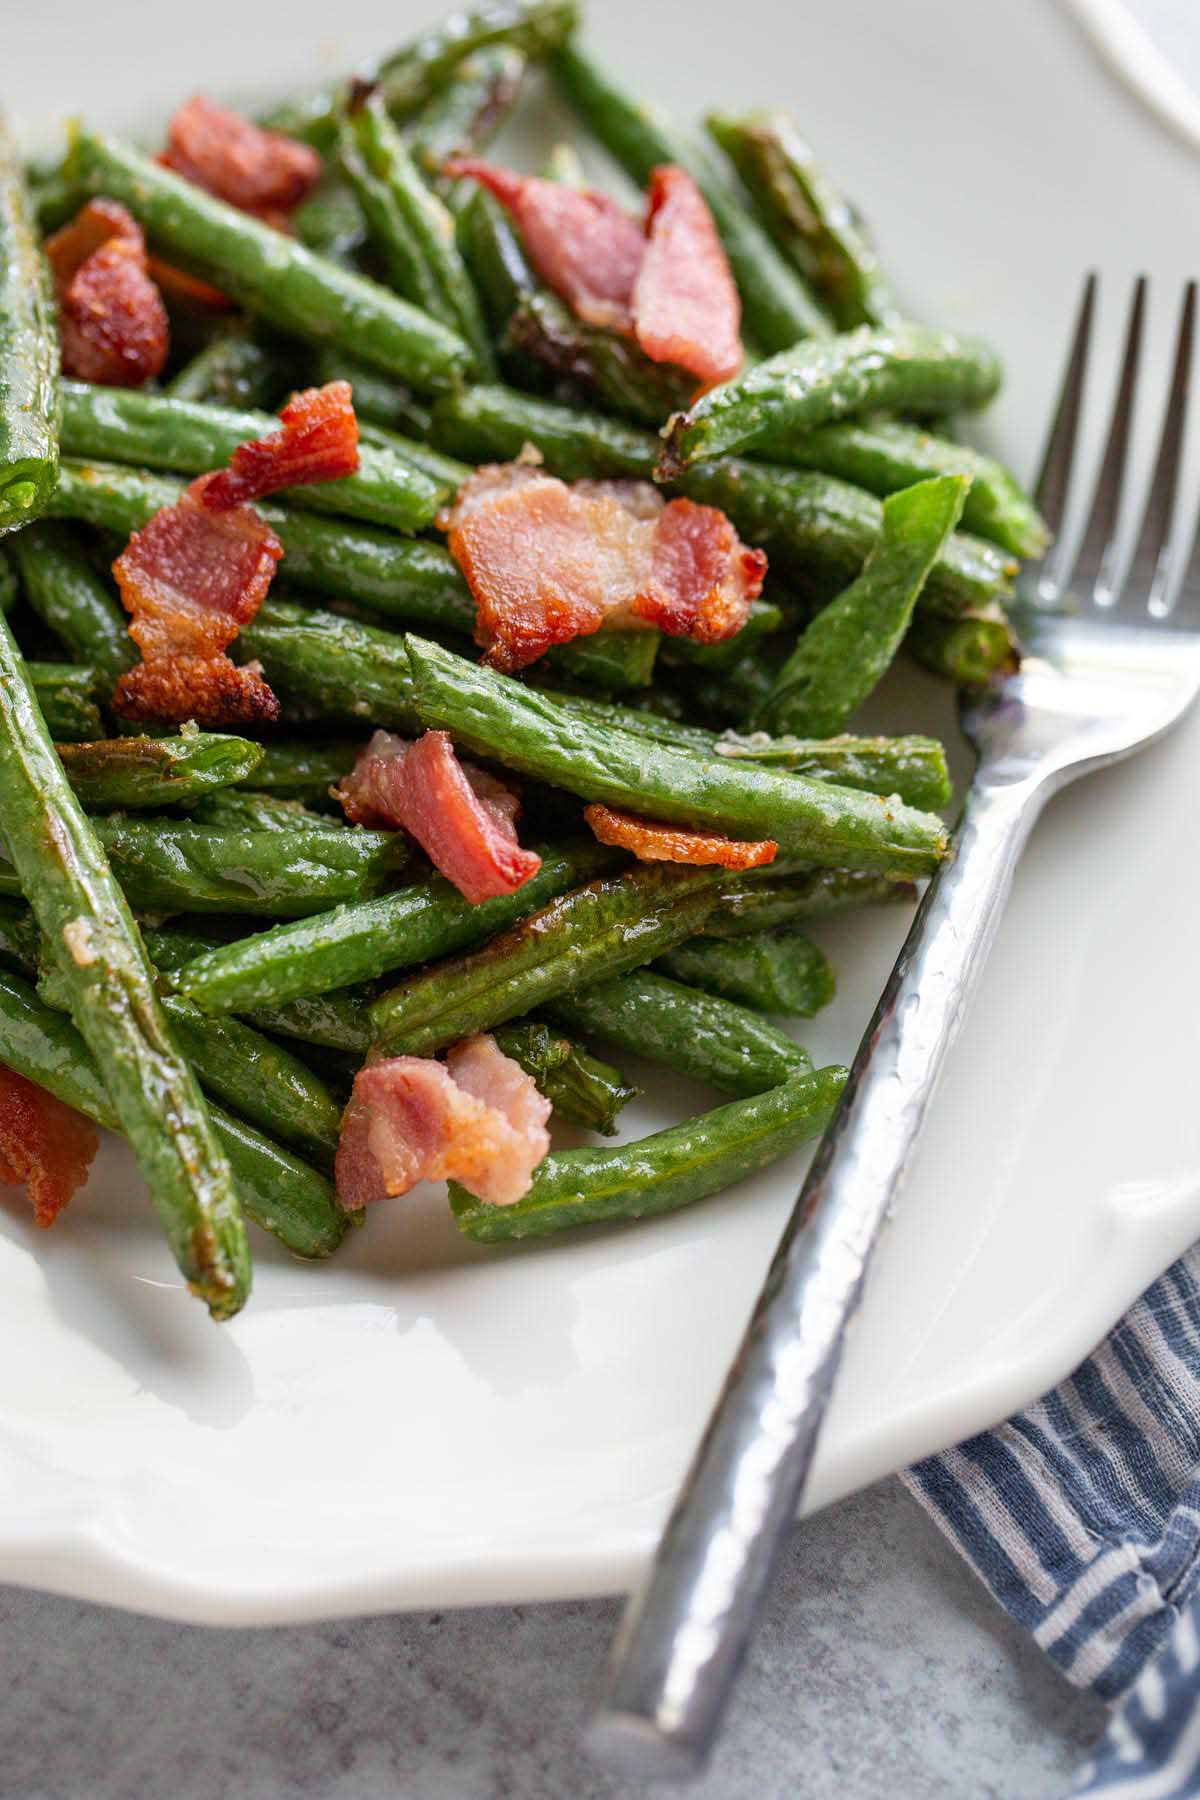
425 1422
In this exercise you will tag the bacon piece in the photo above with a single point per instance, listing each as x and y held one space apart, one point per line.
45 1146
191 578
262 172
703 577
462 817
112 323
582 244
686 308
546 562
477 1119
189 290
318 442
652 841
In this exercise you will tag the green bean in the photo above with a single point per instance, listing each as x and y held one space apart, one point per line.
820 531
331 1021
541 339
229 809
342 557
612 658
970 650
762 904
661 1173
10 586
493 424
28 354
390 236
448 293
66 694
409 76
302 771
326 666
331 222
156 431
357 943
465 115
63 587
446 471
605 928
901 368
279 1192
323 665
582 1089
267 271
85 920
378 400
779 971
777 304
233 369
151 772
167 867
912 767
883 455
845 651
492 715
809 220
815 527
696 1034
20 939
53 198
259 1080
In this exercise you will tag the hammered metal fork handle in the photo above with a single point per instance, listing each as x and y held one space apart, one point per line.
679 1649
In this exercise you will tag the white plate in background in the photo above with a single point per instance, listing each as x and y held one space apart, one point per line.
422 1421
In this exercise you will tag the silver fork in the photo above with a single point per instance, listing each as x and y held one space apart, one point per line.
1110 665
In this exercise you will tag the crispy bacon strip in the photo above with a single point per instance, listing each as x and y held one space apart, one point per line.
669 284
652 841
191 578
462 817
582 244
112 322
702 577
318 442
546 562
686 308
477 1119
45 1146
262 172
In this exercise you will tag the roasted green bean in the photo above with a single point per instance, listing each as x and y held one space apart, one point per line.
832 827
28 354
778 971
356 943
844 652
900 368
696 1034
95 945
661 1173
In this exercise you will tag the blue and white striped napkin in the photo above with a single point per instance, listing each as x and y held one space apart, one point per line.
1082 1515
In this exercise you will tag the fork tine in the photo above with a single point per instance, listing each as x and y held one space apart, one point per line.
1149 576
1058 458
1095 562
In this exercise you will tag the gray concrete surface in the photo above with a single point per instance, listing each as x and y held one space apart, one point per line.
882 1670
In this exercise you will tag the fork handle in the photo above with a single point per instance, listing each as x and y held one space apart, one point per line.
685 1632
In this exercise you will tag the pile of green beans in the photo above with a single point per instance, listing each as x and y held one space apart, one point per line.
216 948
